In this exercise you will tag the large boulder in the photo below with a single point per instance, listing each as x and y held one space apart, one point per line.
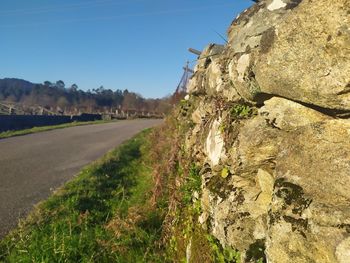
308 56
294 49
250 34
309 220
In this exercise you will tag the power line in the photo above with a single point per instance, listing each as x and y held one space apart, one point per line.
88 4
161 12
221 36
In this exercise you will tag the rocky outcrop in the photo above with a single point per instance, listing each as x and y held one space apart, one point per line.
272 133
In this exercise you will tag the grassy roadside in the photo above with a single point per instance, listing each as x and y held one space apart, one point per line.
103 215
8 134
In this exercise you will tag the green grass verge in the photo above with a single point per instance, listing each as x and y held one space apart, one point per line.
103 215
8 134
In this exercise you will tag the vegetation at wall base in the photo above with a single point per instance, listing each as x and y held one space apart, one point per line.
179 186
8 134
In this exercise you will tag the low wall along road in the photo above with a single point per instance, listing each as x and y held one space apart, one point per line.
20 122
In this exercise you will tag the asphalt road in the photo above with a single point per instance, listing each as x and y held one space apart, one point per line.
32 166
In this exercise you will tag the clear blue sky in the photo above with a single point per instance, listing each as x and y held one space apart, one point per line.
139 45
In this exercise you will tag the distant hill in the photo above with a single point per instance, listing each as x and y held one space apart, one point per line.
57 97
12 89
12 83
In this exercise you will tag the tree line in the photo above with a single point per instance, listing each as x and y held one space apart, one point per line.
56 96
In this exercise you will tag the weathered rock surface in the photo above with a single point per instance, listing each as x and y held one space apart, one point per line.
265 112
298 51
308 56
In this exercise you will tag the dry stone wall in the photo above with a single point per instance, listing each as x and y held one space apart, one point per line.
271 129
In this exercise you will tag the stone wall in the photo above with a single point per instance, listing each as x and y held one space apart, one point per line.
270 126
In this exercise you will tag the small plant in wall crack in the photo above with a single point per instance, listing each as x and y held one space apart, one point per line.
223 255
192 185
240 111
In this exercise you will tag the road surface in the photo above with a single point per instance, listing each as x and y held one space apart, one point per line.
32 166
